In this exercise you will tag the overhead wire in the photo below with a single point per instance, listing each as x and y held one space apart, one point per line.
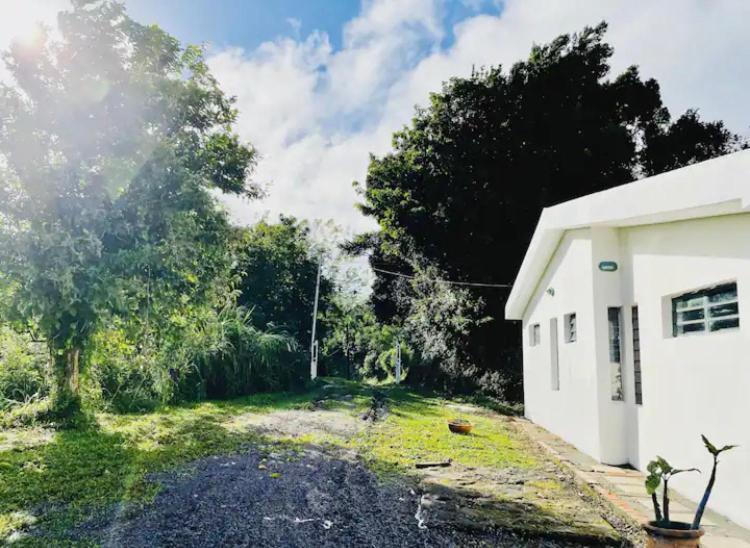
450 282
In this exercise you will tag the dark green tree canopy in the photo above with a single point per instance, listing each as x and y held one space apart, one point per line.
466 181
277 269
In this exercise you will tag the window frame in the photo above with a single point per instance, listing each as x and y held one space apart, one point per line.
570 330
705 308
535 334
617 388
636 340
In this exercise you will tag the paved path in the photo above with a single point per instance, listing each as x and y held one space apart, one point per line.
624 488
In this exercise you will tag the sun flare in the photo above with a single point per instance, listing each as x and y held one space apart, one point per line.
22 21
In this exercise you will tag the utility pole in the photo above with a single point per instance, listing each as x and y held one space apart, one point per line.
398 362
313 341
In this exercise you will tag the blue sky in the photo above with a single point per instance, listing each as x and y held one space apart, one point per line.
248 23
245 23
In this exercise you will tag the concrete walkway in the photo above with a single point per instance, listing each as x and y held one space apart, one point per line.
624 488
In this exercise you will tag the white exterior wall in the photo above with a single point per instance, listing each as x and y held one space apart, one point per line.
692 385
571 411
695 384
607 292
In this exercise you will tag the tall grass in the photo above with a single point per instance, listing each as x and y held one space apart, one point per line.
23 365
243 359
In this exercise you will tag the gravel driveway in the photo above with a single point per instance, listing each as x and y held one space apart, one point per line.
283 498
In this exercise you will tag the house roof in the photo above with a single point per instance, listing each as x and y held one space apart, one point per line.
719 186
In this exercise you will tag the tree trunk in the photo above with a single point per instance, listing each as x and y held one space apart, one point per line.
66 371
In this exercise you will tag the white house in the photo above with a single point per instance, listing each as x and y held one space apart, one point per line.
635 305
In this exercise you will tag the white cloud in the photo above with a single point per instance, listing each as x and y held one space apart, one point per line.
296 25
315 114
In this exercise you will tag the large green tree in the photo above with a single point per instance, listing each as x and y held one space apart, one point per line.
463 188
112 140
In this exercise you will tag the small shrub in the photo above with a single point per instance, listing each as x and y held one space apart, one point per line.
387 362
23 369
30 413
121 377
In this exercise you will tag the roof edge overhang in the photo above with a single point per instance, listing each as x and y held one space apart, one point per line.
720 186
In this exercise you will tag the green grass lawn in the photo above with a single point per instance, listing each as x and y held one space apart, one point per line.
416 430
62 475
59 478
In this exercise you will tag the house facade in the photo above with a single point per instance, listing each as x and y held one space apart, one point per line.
635 310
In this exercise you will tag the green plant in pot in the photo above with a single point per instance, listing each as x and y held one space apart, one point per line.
663 531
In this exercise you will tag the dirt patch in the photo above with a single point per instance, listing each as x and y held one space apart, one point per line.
274 497
537 501
17 439
377 410
294 423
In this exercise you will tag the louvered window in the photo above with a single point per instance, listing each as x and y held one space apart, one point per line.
707 310
571 329
637 356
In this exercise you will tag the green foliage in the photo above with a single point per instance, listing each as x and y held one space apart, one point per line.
111 139
653 480
387 362
121 377
22 369
207 353
277 268
241 359
465 183
30 413
350 336
715 452
439 320
660 471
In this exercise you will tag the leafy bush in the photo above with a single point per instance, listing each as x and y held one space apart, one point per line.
243 359
386 362
23 369
122 377
202 353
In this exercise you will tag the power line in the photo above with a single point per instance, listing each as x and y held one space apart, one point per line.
450 282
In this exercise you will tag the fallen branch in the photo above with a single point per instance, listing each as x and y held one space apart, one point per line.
442 464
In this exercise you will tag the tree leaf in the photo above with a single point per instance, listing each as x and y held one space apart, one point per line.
709 445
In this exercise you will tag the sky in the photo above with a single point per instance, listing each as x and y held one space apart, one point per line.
322 84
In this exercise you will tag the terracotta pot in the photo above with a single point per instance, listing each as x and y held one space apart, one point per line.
677 535
460 427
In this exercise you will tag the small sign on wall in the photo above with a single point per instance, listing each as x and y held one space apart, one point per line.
608 266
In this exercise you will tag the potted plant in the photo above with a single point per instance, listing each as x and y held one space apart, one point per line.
459 426
663 531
